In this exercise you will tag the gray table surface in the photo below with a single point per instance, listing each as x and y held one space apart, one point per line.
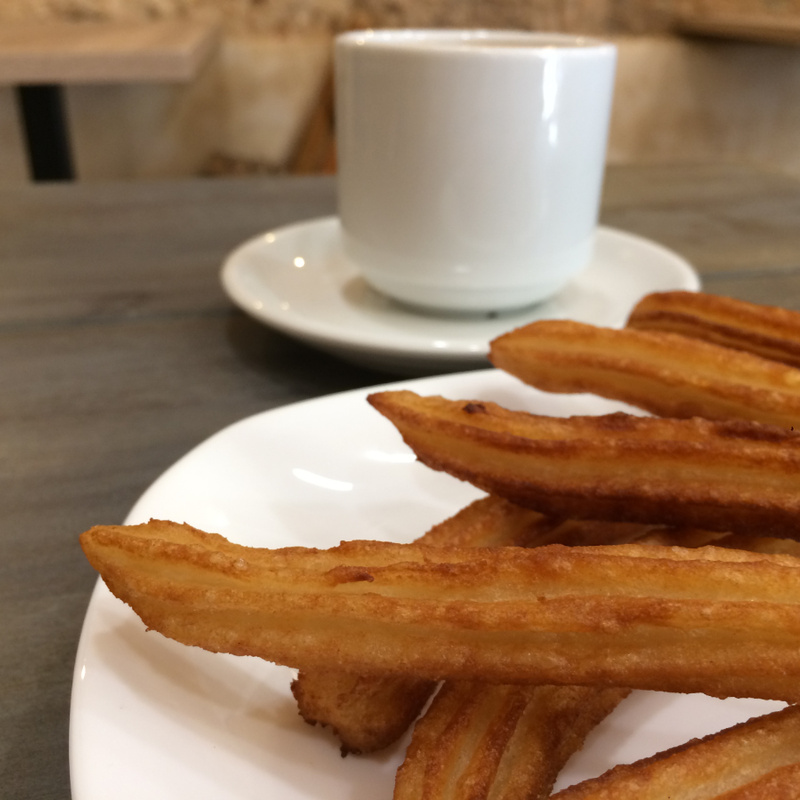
119 352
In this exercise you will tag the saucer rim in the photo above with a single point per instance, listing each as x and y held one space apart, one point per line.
334 339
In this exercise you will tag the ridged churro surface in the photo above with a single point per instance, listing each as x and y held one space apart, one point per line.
667 374
498 742
724 622
756 760
725 476
766 331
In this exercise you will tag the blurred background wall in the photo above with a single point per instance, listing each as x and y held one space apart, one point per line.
697 79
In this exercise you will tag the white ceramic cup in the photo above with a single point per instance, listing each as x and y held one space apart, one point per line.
470 163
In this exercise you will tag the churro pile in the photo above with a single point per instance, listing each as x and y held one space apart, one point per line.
610 553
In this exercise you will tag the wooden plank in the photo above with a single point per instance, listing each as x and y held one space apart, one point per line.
100 52
756 26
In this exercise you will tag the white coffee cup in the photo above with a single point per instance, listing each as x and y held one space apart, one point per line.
470 163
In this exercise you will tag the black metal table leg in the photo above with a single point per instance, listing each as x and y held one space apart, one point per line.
46 132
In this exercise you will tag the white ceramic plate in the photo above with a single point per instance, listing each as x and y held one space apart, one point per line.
297 280
154 719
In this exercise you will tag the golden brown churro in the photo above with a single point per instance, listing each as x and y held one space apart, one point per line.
664 373
766 331
365 712
498 742
756 760
726 476
724 622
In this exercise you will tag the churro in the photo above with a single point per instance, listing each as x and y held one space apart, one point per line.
724 622
365 712
755 760
498 742
766 331
725 476
667 374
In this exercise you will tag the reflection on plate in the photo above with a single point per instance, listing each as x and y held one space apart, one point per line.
152 718
297 280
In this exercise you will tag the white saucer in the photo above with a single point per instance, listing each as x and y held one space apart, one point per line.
296 279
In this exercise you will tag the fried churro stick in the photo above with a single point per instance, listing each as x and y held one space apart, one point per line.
498 742
766 331
667 374
755 760
726 476
724 622
369 713
365 712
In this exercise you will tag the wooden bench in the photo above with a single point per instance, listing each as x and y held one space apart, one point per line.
39 59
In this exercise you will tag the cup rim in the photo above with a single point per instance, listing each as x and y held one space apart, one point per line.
409 39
